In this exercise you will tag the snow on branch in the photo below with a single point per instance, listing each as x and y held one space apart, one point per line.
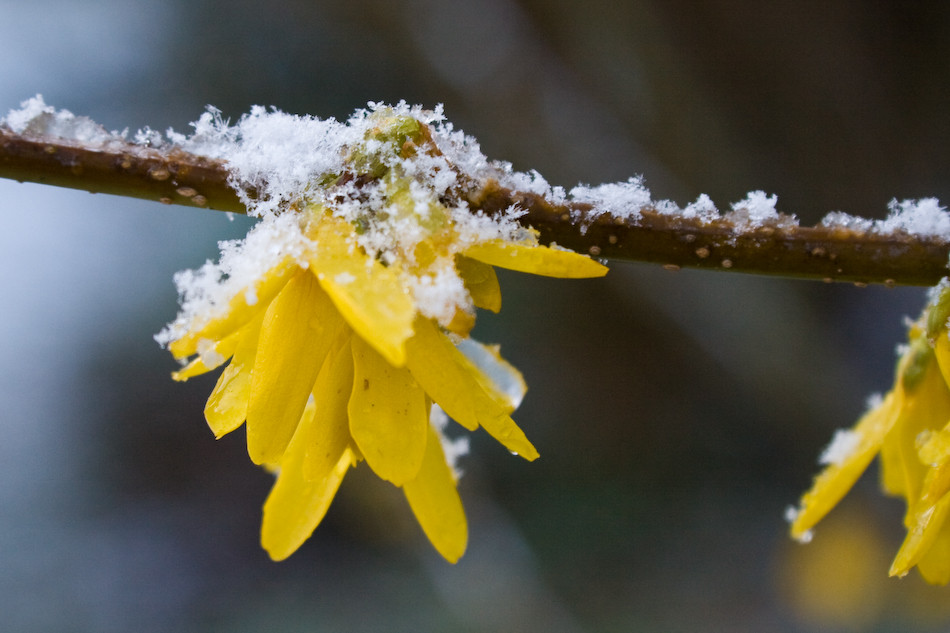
268 157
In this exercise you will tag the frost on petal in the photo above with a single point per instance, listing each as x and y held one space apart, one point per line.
219 297
843 445
211 354
837 479
441 296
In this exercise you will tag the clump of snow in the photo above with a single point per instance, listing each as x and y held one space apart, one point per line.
757 209
843 445
205 293
274 157
35 118
619 199
791 515
703 209
439 295
925 218
920 218
209 355
839 219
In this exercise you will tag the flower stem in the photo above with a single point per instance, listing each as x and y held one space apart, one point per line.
825 253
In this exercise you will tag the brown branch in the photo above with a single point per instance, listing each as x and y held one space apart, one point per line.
831 254
827 254
123 169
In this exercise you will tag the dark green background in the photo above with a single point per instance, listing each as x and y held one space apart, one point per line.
677 414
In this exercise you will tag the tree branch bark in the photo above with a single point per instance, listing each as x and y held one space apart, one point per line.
829 254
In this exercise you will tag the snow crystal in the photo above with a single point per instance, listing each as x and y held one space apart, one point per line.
344 278
438 296
921 218
35 118
531 182
874 400
703 209
839 219
756 209
924 218
619 199
209 355
843 445
274 157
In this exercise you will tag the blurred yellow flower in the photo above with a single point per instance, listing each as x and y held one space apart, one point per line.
353 323
910 429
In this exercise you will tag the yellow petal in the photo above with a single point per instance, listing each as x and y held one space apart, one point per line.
894 462
458 386
925 407
438 367
388 415
934 566
226 409
920 537
942 350
241 309
210 358
496 376
509 435
307 481
299 328
480 281
535 259
435 501
370 296
902 471
331 393
837 479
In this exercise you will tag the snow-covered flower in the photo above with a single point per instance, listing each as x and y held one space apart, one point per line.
910 429
345 315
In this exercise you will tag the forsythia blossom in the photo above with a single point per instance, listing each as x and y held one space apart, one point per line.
345 314
910 429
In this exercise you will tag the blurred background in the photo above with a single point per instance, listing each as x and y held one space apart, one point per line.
677 414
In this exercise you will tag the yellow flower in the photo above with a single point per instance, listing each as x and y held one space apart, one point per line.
910 429
353 323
